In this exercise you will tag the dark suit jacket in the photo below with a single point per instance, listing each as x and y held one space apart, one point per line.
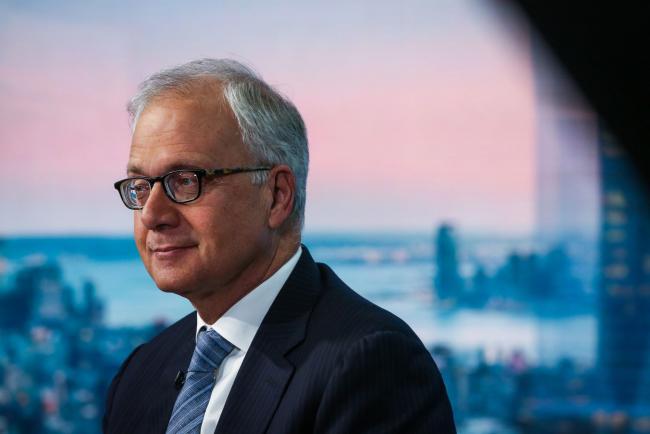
324 360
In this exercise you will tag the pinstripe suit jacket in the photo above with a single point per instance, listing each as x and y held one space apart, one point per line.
324 360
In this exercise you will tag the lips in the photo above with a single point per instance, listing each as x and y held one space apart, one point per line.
164 249
170 252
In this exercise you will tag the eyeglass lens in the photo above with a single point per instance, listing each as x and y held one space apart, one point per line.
180 187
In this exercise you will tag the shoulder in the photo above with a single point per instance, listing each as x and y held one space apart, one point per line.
347 313
344 326
371 362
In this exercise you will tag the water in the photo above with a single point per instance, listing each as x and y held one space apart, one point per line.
394 272
131 296
402 288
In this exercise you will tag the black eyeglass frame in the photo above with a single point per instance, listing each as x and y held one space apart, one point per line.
200 174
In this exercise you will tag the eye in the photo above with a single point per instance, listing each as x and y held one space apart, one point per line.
184 186
136 190
184 179
140 190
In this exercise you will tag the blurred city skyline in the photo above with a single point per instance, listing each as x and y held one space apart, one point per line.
416 113
457 179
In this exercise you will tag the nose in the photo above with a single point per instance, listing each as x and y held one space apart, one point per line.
159 212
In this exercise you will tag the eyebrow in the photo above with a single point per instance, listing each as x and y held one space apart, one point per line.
132 170
136 170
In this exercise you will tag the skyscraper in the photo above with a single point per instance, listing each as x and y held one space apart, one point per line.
448 283
567 171
624 301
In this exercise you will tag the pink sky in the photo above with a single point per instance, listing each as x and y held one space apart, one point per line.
416 114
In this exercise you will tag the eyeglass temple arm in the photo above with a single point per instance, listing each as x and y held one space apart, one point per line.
235 170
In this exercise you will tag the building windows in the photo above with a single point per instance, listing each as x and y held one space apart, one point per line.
615 236
615 218
614 198
616 271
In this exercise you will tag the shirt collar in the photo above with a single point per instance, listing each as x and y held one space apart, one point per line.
240 323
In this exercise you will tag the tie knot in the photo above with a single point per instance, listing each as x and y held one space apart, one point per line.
211 349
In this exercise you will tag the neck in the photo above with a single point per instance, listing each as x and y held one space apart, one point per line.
213 305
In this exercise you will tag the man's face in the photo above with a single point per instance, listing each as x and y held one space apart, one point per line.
221 238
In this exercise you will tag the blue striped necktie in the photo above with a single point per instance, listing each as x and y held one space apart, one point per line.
191 403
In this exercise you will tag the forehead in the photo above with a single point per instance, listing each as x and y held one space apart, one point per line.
175 131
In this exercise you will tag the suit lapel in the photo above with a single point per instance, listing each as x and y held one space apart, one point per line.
265 371
179 352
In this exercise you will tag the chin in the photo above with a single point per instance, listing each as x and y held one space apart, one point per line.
171 282
166 288
167 275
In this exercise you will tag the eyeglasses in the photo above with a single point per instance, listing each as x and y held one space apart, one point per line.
181 186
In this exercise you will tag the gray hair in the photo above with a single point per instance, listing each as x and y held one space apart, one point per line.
269 123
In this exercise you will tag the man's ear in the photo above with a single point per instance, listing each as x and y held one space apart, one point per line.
283 189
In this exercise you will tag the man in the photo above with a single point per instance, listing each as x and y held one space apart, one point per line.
278 344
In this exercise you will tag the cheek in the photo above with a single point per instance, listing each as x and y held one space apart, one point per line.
224 228
251 206
216 233
221 223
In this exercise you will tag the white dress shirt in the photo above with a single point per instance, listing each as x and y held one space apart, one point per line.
238 326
